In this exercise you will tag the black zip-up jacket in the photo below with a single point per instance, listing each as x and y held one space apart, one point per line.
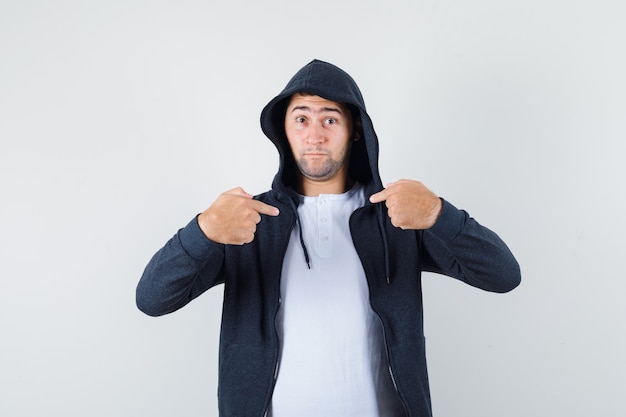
392 259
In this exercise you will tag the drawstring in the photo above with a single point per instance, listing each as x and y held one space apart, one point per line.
381 224
299 223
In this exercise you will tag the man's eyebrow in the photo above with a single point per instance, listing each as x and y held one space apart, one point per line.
324 109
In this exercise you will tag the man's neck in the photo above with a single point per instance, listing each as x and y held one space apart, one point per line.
337 185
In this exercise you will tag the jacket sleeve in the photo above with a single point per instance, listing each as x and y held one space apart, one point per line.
458 246
184 268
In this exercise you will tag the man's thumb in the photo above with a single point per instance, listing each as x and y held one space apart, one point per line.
238 191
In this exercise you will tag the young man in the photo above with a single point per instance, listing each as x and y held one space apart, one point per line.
322 311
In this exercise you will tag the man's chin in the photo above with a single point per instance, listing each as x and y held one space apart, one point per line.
318 173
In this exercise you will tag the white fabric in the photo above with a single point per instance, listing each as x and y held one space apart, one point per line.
333 360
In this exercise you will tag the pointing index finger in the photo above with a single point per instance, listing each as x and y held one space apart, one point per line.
263 208
383 195
379 196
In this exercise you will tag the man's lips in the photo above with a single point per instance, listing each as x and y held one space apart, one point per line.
315 153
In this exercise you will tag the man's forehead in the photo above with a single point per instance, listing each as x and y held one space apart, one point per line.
313 102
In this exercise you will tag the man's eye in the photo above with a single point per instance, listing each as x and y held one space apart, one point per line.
300 119
331 121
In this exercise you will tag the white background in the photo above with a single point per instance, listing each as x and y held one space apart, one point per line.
120 120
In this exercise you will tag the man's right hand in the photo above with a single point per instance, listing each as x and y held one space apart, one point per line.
233 217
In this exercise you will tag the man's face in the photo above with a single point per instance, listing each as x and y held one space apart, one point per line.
319 132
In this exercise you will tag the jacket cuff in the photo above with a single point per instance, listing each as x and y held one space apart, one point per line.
449 223
195 242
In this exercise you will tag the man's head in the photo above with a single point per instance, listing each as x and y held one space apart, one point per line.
356 159
320 133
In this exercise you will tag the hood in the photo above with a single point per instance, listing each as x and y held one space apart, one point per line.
332 83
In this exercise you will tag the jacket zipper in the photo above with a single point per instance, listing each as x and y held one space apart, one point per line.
276 367
382 326
280 301
389 367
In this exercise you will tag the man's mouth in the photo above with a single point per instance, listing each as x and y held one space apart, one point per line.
315 153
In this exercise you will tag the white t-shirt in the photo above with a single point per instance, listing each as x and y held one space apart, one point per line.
333 359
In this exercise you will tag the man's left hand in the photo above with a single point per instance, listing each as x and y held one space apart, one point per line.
410 204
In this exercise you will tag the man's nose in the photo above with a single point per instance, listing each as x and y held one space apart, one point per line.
316 134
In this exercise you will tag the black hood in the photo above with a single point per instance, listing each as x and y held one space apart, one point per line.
332 83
